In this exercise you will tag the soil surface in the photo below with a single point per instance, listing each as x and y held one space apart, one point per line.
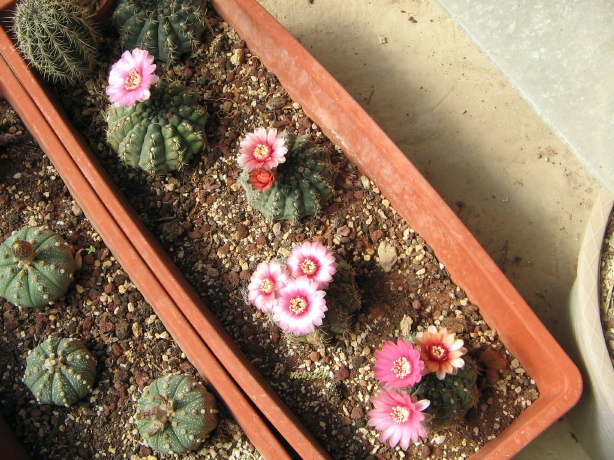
201 218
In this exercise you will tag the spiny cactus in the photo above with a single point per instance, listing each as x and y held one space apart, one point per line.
451 397
160 134
343 302
304 182
56 37
60 371
36 267
175 414
166 28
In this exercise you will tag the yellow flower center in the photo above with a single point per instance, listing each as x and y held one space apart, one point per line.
399 414
267 286
133 80
261 152
298 305
309 267
401 367
438 352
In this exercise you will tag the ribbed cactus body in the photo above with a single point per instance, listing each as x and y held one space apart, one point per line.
36 267
343 303
161 134
56 38
60 371
166 29
303 184
175 414
451 397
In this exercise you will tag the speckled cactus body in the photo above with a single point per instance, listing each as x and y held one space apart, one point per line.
343 303
60 371
175 414
166 28
161 134
36 267
303 184
451 397
56 38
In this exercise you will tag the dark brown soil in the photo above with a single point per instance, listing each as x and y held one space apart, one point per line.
201 218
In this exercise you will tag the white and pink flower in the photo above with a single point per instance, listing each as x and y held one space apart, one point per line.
440 351
398 365
300 306
131 77
264 283
313 260
262 149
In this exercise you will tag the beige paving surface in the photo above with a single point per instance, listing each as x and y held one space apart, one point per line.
511 180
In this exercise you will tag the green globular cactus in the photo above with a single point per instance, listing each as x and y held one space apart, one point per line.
36 267
161 134
166 29
60 371
175 414
303 183
343 302
451 397
56 38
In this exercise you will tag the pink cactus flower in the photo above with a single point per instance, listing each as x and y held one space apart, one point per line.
314 260
398 365
262 149
131 77
440 351
398 417
300 306
264 283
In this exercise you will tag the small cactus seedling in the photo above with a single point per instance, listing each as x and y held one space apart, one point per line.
56 37
60 371
451 397
166 29
175 414
304 182
36 267
160 134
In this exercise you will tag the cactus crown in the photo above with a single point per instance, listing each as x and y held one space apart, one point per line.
304 182
60 371
56 38
175 414
160 134
451 397
36 267
166 29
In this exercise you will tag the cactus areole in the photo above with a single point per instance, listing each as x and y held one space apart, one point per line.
36 267
60 371
175 414
161 134
166 28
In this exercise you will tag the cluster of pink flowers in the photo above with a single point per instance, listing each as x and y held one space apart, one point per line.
294 294
398 416
131 77
259 154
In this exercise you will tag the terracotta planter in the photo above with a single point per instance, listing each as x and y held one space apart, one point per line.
10 447
347 125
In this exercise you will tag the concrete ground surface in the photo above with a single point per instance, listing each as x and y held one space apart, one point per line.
515 184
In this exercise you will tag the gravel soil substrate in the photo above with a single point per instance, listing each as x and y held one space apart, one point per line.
201 218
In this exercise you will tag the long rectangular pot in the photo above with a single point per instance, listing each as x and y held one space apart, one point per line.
365 144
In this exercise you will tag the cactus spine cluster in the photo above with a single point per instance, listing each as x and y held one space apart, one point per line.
56 38
304 182
451 397
36 267
175 414
161 134
166 29
60 371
